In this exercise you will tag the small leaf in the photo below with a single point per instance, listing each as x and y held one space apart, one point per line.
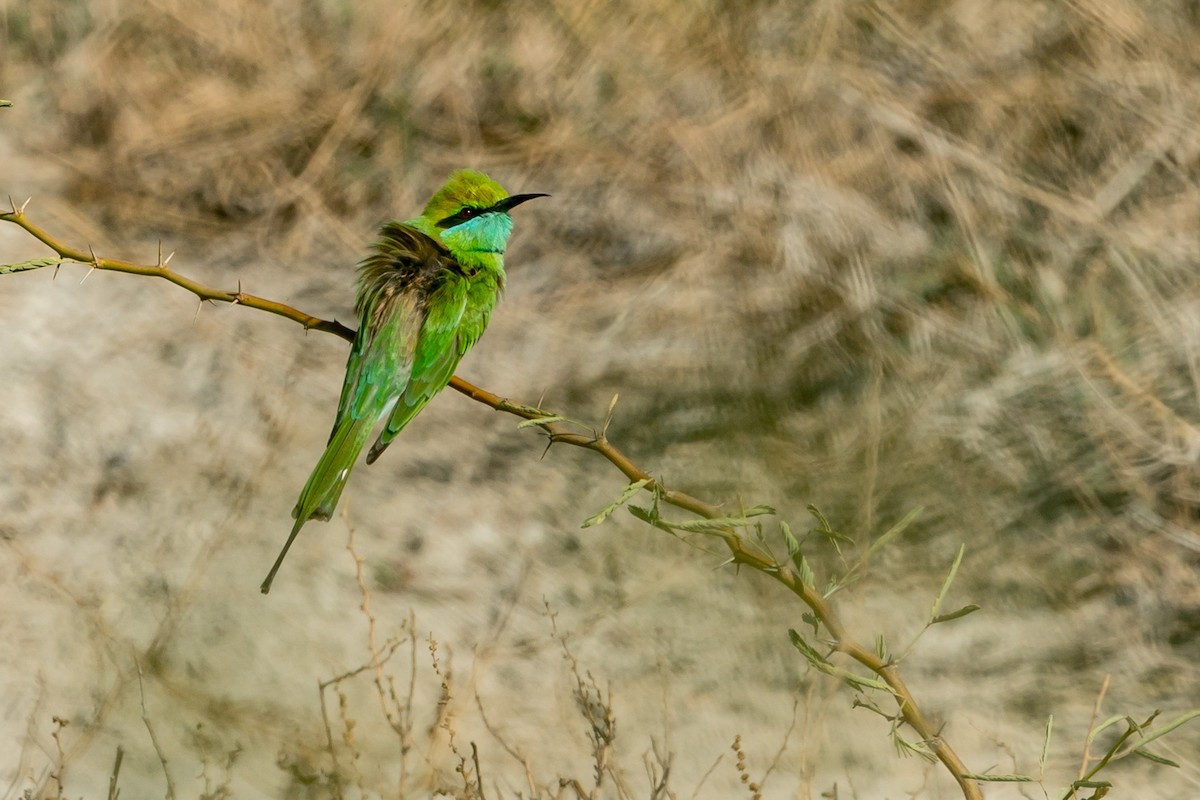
5 103
793 546
1046 744
826 530
529 423
718 523
1091 785
806 573
650 517
607 511
860 701
893 532
758 511
1170 726
823 664
705 525
905 747
998 777
816 659
612 404
1146 754
937 604
962 612
1108 723
821 520
33 263
860 682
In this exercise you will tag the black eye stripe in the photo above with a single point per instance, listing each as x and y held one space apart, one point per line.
462 215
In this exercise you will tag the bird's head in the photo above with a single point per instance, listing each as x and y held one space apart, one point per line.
470 213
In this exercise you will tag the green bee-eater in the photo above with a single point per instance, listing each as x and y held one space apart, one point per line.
424 297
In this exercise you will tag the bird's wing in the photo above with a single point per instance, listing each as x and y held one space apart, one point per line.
392 284
437 353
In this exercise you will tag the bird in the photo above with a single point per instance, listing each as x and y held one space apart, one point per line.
424 295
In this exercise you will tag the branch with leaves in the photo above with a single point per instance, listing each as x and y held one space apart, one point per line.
742 534
744 550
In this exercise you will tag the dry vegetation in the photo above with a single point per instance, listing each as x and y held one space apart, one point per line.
870 256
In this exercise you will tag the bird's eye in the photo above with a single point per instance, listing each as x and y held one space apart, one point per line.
462 215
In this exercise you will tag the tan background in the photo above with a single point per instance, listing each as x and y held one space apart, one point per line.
870 256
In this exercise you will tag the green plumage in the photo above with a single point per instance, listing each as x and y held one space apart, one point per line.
425 294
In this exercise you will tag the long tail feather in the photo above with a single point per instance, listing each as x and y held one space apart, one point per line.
266 584
320 494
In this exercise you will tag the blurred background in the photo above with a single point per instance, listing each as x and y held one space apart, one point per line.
870 256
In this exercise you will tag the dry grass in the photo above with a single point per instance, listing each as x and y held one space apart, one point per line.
866 255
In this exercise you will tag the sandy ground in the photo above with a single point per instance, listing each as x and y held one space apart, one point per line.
890 309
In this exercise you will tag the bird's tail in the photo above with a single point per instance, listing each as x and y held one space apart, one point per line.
320 495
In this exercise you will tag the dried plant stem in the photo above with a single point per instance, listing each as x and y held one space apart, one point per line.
742 552
162 759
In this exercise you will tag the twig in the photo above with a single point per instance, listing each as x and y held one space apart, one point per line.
160 270
1087 745
336 781
61 759
742 552
162 759
114 791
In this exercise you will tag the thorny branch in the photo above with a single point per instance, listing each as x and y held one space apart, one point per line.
740 551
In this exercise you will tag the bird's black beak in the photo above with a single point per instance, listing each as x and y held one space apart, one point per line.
515 200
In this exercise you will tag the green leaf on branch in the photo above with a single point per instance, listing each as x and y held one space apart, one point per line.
881 542
1170 726
607 511
998 777
793 545
858 681
529 423
816 659
718 524
971 608
33 263
5 103
1157 759
650 517
893 532
822 664
1046 745
826 530
937 604
805 571
905 748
